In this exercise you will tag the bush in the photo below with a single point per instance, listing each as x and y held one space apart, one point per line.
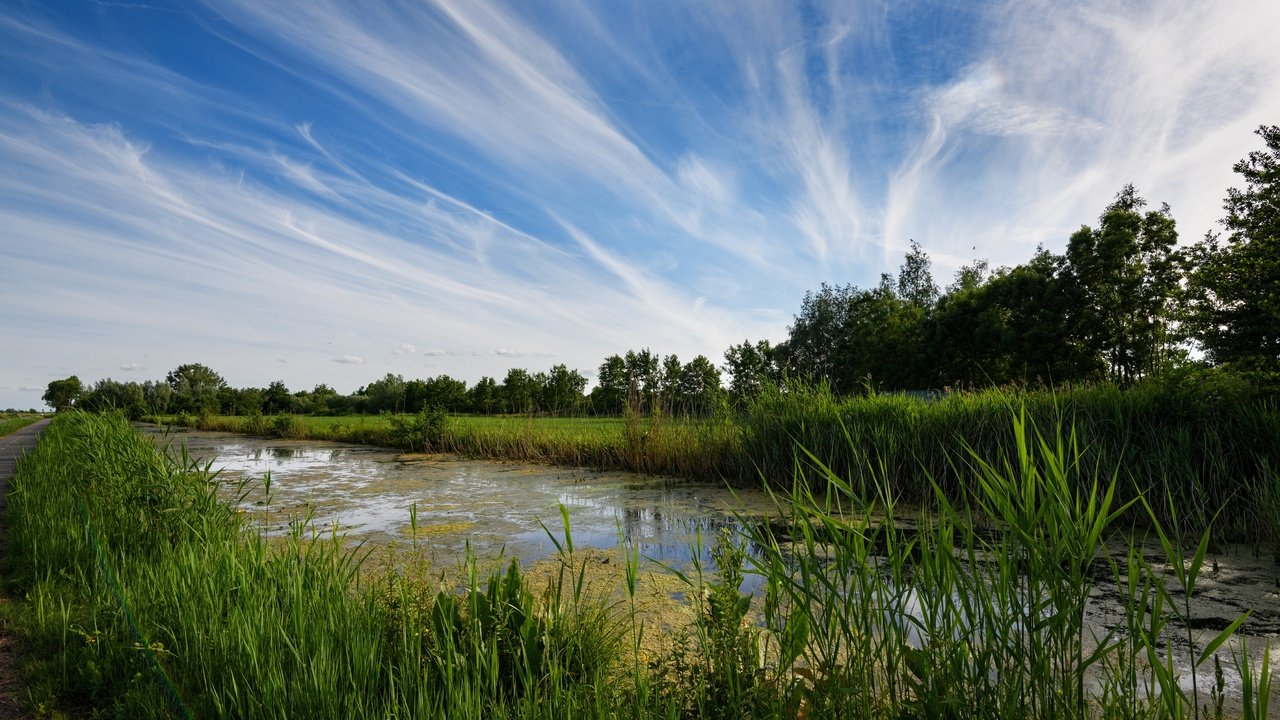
289 427
424 432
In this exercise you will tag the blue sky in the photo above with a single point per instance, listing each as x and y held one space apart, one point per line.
322 191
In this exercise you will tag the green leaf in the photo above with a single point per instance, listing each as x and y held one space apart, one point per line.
1221 638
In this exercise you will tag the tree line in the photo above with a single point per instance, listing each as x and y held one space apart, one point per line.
639 380
1124 302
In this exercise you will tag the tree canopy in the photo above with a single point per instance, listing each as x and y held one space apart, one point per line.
63 394
1233 288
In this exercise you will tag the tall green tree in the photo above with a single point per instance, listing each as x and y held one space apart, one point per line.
883 344
385 395
700 390
643 373
483 397
750 367
441 391
157 396
915 278
63 394
520 392
195 388
562 389
1121 278
1233 307
1006 327
669 384
811 351
276 399
108 394
609 396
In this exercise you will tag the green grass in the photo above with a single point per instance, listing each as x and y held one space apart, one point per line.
150 599
144 596
12 424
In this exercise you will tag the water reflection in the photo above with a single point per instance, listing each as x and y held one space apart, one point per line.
367 493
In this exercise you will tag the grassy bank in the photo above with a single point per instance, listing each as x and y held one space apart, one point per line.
692 448
10 424
152 601
1209 443
146 597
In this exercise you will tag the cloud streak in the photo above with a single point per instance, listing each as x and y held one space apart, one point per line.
301 181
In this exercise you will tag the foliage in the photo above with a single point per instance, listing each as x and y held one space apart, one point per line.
642 382
287 427
1120 278
423 432
1203 434
147 597
385 395
723 674
1233 303
63 394
751 367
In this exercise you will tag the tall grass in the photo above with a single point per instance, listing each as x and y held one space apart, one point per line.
978 612
153 601
692 448
1212 449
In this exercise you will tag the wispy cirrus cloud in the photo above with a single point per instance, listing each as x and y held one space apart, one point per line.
298 179
1040 134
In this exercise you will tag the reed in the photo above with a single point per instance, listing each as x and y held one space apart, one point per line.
151 600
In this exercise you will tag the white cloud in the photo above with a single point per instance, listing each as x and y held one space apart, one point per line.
1036 138
131 367
405 349
506 193
349 360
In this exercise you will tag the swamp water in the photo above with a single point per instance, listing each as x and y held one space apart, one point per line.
494 508
500 510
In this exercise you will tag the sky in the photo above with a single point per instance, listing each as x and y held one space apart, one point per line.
323 191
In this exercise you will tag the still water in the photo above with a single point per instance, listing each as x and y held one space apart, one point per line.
514 509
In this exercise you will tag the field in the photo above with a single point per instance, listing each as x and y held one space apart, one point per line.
144 596
13 423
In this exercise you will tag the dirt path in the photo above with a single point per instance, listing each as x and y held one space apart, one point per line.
13 695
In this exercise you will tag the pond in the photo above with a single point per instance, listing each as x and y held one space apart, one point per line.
493 508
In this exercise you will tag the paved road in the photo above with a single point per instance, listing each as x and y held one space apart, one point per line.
14 700
12 447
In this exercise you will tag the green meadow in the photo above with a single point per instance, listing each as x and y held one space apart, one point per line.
11 423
